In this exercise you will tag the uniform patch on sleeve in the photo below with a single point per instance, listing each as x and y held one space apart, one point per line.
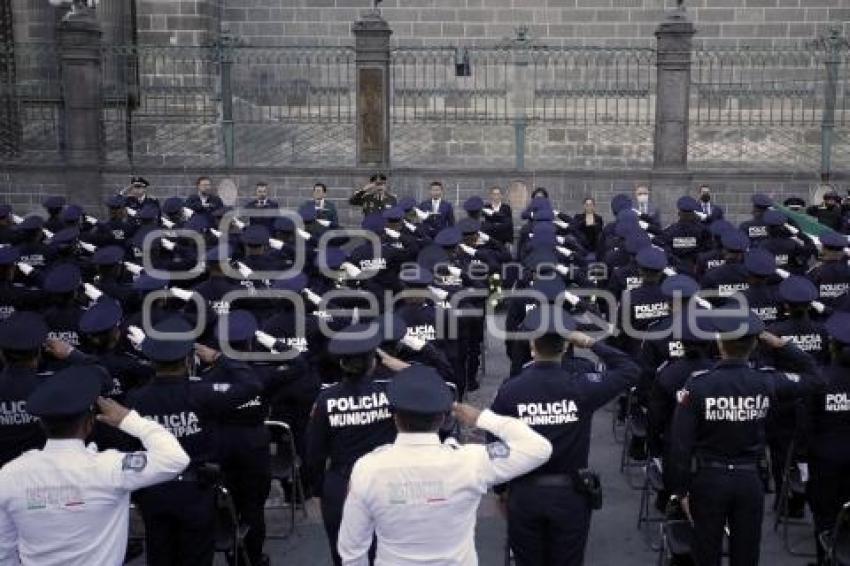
221 387
682 396
793 377
136 462
497 450
594 377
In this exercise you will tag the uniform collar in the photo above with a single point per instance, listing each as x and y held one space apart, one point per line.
733 363
545 364
417 438
64 444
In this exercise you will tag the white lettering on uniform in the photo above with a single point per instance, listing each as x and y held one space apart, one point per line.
14 413
729 289
67 336
837 403
736 409
548 413
807 342
832 290
757 231
220 307
766 313
633 282
423 332
184 423
358 411
654 310
684 242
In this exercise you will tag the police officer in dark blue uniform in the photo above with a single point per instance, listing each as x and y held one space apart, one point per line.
719 430
559 405
792 253
761 293
62 283
832 275
786 417
688 237
180 515
110 276
645 304
21 338
828 429
731 276
349 420
714 256
755 228
15 295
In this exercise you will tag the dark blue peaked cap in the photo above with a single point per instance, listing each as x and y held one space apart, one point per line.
419 389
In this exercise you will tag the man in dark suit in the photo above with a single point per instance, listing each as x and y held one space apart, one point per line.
647 210
498 217
325 209
204 201
710 210
440 212
262 202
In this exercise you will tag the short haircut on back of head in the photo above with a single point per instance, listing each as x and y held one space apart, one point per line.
416 422
740 348
550 345
62 427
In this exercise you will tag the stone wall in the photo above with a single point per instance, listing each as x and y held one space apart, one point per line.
555 21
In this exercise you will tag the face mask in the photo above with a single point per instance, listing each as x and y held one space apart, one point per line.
705 197
643 198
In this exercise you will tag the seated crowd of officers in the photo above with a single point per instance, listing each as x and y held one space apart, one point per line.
715 411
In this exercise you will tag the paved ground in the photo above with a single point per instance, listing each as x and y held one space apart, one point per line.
614 539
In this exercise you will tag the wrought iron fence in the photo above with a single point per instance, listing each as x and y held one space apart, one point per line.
30 102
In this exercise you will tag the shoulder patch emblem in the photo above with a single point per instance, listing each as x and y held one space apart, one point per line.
699 372
793 377
682 396
221 387
136 462
594 377
498 450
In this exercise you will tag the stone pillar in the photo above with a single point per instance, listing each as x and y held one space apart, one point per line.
372 57
834 44
674 46
79 38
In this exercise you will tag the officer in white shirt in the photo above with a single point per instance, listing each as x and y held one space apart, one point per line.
420 496
68 504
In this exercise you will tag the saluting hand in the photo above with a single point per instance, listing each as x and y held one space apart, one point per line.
465 414
206 354
111 412
392 362
580 339
772 340
57 348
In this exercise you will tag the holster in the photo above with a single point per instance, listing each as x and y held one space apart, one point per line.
587 483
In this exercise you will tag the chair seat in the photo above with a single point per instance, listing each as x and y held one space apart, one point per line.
679 535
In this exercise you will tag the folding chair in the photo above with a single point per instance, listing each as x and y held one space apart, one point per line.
652 485
285 468
229 534
790 480
635 428
836 543
677 534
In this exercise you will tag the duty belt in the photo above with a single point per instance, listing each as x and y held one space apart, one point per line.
729 466
546 480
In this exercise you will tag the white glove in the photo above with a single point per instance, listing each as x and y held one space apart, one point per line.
303 233
131 211
182 294
782 273
47 233
703 303
91 219
669 271
560 224
570 298
562 269
238 223
643 224
168 223
468 250
421 213
818 306
793 229
323 222
410 226
244 270
488 211
701 215
188 212
454 270
168 244
441 294
133 268
561 240
266 340
92 292
91 248
216 232
351 270
312 297
17 219
392 233
135 335
483 237
25 268
275 244
566 252
413 342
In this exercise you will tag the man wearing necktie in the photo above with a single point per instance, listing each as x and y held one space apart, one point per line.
712 212
325 209
441 214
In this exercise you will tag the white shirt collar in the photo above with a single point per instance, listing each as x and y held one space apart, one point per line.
417 438
64 444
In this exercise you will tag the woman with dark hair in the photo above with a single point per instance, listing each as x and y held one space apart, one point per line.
589 223
828 430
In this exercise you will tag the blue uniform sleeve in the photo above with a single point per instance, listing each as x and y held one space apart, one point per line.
621 372
797 373
318 441
238 384
682 439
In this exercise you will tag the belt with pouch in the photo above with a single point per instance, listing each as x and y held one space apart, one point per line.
545 480
728 466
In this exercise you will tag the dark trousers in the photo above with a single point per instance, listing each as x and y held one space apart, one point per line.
829 488
547 526
247 476
334 491
778 457
721 496
179 525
